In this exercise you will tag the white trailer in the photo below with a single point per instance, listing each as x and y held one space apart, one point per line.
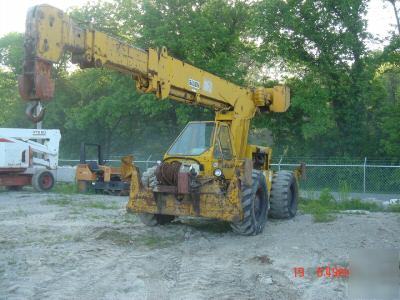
27 156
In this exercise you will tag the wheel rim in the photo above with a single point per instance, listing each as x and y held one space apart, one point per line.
46 181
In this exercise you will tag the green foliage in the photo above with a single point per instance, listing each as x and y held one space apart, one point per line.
324 43
204 33
320 209
12 108
11 52
391 129
65 188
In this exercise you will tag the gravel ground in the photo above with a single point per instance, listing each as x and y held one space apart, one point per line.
87 247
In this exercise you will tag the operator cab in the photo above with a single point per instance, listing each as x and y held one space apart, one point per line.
202 142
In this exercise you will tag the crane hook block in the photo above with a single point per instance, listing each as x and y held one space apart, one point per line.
32 113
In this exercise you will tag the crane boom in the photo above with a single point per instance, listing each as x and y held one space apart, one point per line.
50 33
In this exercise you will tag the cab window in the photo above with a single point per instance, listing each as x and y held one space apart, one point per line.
223 146
195 139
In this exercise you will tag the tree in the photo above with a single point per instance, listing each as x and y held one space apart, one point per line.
323 42
394 4
12 107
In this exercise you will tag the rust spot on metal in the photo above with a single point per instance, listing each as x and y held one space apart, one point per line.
183 183
167 173
44 85
25 86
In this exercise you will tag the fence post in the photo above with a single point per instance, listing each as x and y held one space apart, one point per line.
147 161
365 169
279 164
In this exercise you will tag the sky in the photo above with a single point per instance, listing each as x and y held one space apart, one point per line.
12 15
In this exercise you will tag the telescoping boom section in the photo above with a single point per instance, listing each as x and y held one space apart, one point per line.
210 170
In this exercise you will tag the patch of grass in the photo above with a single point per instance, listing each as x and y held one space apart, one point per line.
20 212
394 208
82 204
357 204
12 261
65 188
210 226
149 240
324 208
100 204
321 209
129 218
58 201
323 217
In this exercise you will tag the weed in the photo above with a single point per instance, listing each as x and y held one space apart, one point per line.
149 240
82 204
65 188
129 218
394 208
344 191
75 211
12 261
357 204
58 201
20 212
323 217
99 204
326 198
320 209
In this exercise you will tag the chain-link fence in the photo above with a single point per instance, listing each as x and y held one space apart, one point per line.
355 176
338 175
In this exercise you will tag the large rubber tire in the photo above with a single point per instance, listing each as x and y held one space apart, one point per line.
149 180
255 206
284 195
43 181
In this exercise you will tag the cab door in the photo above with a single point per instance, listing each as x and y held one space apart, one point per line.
223 151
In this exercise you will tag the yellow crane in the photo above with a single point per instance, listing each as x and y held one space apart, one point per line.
210 170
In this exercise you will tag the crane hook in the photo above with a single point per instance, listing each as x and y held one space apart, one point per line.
35 111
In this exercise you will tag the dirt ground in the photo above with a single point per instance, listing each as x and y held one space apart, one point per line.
87 247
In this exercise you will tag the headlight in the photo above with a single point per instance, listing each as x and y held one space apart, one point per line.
218 172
